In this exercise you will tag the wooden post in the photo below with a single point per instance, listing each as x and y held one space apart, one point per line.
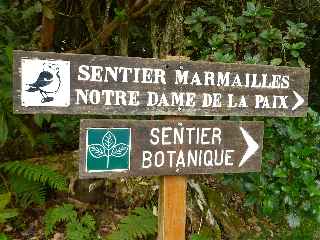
172 208
172 198
172 201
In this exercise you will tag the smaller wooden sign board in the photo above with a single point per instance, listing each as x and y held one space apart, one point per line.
168 147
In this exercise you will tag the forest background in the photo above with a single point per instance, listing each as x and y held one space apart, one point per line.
41 196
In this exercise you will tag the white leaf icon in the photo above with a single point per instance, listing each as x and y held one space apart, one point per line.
96 150
108 140
119 150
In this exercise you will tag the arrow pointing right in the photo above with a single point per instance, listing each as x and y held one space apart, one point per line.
252 146
299 102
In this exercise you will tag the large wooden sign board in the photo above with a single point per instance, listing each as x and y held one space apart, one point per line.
108 85
169 147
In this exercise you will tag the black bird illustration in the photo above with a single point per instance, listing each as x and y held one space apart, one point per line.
43 84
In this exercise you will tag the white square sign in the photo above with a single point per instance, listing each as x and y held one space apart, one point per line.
45 83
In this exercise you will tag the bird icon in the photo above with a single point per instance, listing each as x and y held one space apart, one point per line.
46 83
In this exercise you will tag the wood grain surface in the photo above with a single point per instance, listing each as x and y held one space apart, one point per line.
260 101
232 138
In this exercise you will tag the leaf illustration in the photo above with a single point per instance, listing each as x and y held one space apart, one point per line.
108 140
119 150
96 150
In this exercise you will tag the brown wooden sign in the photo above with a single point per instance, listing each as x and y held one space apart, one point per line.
109 85
169 147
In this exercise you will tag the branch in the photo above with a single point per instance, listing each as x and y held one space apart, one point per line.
108 28
87 17
103 36
138 13
47 27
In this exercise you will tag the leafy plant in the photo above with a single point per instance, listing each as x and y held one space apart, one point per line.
6 213
294 151
200 237
26 191
139 224
76 229
249 37
35 173
4 237
288 188
29 181
12 36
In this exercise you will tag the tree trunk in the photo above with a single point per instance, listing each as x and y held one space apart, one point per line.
168 38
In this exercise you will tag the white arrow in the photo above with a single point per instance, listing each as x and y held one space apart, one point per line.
252 146
299 102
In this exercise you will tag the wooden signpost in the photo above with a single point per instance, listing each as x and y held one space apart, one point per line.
108 85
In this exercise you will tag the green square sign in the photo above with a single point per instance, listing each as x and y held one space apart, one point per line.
108 149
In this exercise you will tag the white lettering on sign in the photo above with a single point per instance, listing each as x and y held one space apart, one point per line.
192 158
72 84
107 97
158 76
271 102
206 148
121 74
180 99
229 79
185 135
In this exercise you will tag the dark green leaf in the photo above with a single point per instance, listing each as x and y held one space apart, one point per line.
3 129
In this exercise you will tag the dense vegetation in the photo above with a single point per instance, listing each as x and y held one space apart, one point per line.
40 194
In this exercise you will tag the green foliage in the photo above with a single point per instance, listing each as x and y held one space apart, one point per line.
4 237
26 191
288 186
139 224
76 229
120 14
6 213
12 36
309 231
81 230
3 129
29 182
35 173
200 237
288 189
64 213
293 150
249 37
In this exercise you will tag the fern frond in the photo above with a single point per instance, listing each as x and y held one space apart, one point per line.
76 231
6 213
200 237
4 237
140 223
88 221
46 139
64 213
27 192
15 121
36 173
